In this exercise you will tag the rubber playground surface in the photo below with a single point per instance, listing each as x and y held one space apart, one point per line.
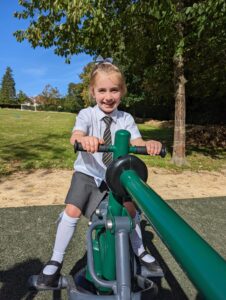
27 234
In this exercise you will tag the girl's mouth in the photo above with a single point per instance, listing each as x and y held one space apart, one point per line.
108 103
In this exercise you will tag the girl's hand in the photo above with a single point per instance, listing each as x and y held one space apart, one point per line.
90 143
153 147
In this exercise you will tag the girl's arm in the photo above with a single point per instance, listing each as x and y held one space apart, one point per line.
89 143
76 136
153 147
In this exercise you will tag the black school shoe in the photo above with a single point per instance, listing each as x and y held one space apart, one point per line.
153 267
49 280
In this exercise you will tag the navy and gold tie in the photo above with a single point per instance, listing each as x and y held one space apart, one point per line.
107 156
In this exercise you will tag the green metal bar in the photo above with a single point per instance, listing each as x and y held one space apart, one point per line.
120 148
203 265
121 145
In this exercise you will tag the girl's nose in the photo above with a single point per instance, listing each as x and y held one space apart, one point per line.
108 95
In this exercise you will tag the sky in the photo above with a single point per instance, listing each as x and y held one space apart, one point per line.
33 69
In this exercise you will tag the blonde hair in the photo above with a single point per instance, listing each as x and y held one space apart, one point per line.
108 69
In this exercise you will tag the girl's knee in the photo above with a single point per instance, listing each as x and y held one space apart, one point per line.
73 211
130 208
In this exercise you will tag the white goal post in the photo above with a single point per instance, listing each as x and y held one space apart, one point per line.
28 106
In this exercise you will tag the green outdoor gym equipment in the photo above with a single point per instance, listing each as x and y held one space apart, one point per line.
111 269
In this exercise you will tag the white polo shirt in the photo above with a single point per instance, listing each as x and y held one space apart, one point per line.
90 120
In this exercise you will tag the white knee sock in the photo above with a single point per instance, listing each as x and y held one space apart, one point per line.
137 242
65 231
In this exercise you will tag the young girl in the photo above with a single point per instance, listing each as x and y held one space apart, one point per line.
97 125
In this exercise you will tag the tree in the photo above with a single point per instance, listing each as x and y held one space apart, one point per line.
22 97
178 156
153 39
8 91
50 95
130 100
73 101
85 75
207 86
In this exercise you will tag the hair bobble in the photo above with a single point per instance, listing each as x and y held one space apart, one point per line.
101 60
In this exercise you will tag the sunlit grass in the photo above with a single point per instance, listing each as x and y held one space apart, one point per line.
32 140
35 140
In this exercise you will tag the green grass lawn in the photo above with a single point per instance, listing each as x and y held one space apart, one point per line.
41 140
35 140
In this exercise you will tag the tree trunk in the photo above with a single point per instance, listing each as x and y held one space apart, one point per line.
178 157
180 107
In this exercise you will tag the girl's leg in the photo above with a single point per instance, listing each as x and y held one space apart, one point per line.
65 230
136 235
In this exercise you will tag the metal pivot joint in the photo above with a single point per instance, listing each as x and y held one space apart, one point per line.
118 166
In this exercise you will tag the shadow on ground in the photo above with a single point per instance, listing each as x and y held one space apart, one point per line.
27 243
15 280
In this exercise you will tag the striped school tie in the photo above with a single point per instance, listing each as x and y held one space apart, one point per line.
107 156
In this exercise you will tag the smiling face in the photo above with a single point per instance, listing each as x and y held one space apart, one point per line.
107 92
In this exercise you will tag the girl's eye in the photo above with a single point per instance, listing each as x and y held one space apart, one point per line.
101 90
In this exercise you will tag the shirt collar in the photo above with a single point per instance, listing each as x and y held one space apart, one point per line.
101 114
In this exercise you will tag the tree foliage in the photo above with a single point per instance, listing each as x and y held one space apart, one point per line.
140 35
73 102
85 76
50 95
22 97
8 91
148 39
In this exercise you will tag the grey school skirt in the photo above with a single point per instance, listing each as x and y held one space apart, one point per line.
85 194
